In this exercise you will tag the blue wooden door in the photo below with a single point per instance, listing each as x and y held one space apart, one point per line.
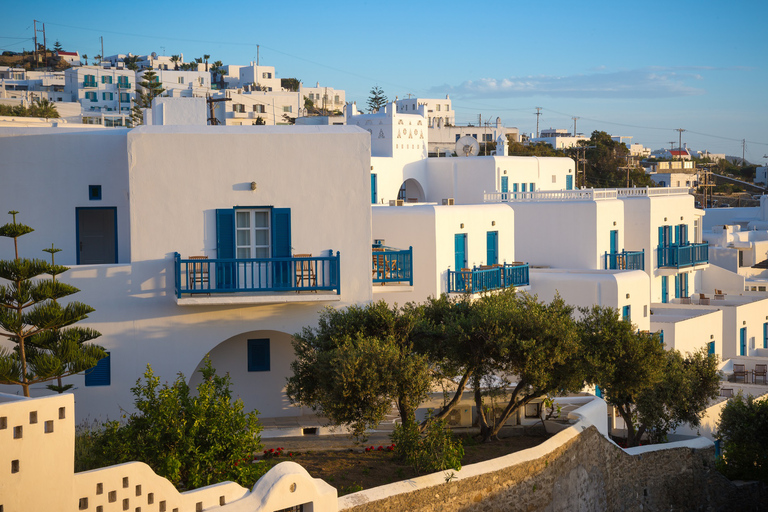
765 335
374 194
569 182
664 289
614 241
492 249
504 184
743 341
523 187
460 247
711 348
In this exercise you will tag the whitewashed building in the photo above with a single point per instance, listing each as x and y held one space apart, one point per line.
196 240
105 95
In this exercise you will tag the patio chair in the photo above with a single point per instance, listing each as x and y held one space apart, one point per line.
198 274
740 371
760 371
703 299
466 277
685 300
305 272
719 295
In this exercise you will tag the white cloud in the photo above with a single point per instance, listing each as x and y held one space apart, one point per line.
640 83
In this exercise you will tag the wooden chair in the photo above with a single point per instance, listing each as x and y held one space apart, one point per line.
719 295
198 274
685 300
305 272
761 370
466 276
703 299
740 371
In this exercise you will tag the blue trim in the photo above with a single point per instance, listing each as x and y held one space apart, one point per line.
101 374
664 289
504 184
494 278
743 341
569 182
77 229
94 192
258 355
374 192
492 248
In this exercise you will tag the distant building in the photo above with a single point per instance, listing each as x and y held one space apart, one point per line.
73 58
559 138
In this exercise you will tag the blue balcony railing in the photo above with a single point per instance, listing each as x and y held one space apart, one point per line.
681 256
313 273
625 260
390 265
485 278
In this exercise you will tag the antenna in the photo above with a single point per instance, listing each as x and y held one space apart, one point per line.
574 125
538 113
680 142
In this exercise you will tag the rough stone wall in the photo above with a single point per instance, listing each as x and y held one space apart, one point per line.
586 474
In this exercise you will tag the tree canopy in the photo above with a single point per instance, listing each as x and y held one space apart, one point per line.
607 162
743 430
47 344
376 100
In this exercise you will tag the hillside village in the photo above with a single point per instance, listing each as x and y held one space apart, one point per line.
243 205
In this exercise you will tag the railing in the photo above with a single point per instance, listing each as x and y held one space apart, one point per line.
389 265
586 194
493 277
201 275
625 260
653 191
681 256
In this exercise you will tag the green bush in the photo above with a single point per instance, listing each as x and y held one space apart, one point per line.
192 440
743 432
435 449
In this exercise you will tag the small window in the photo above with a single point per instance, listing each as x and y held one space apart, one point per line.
48 426
258 355
112 496
94 192
18 432
32 417
99 375
181 79
287 108
100 488
126 504
3 422
138 490
15 466
532 410
125 482
83 504
554 179
62 413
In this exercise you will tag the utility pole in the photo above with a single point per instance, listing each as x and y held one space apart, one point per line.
538 113
257 55
680 142
211 105
34 28
671 147
574 125
743 150
102 47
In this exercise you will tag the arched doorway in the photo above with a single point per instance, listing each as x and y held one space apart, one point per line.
258 362
411 191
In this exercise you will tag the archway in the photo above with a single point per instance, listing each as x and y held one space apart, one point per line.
258 362
411 191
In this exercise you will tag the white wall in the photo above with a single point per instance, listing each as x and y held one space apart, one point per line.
688 329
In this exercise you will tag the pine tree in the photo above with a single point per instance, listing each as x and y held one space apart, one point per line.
377 99
47 346
57 46
148 89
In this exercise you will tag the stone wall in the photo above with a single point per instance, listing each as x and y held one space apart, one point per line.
587 472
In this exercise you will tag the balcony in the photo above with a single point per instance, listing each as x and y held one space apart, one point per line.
256 276
625 260
682 256
390 265
487 278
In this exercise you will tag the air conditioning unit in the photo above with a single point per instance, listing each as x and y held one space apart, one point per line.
448 201
460 417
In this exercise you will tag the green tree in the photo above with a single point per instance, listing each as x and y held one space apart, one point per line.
259 121
357 363
501 334
290 84
175 59
43 108
537 149
57 46
148 89
743 431
607 162
192 439
131 62
376 100
654 390
85 58
205 58
46 344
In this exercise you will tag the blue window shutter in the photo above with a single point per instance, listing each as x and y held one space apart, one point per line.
532 188
569 182
661 236
514 187
684 233
677 234
374 198
504 184
685 285
492 256
225 233
523 186
626 314
677 286
281 232
765 335
258 355
101 374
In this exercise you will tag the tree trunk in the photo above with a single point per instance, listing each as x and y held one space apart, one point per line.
445 411
482 421
631 434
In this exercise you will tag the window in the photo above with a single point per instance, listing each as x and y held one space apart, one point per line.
487 137
765 335
106 79
90 96
89 81
252 234
238 107
106 96
94 192
438 108
711 347
258 355
99 375
336 99
532 188
447 108
458 136
122 81
626 313
259 108
287 108
181 79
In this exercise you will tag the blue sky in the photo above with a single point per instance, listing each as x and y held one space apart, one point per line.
637 69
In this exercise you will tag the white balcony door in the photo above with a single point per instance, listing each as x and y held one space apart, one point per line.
253 241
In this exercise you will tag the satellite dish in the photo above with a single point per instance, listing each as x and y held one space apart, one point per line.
467 146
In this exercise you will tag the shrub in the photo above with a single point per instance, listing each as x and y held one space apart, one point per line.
435 449
192 440
743 432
